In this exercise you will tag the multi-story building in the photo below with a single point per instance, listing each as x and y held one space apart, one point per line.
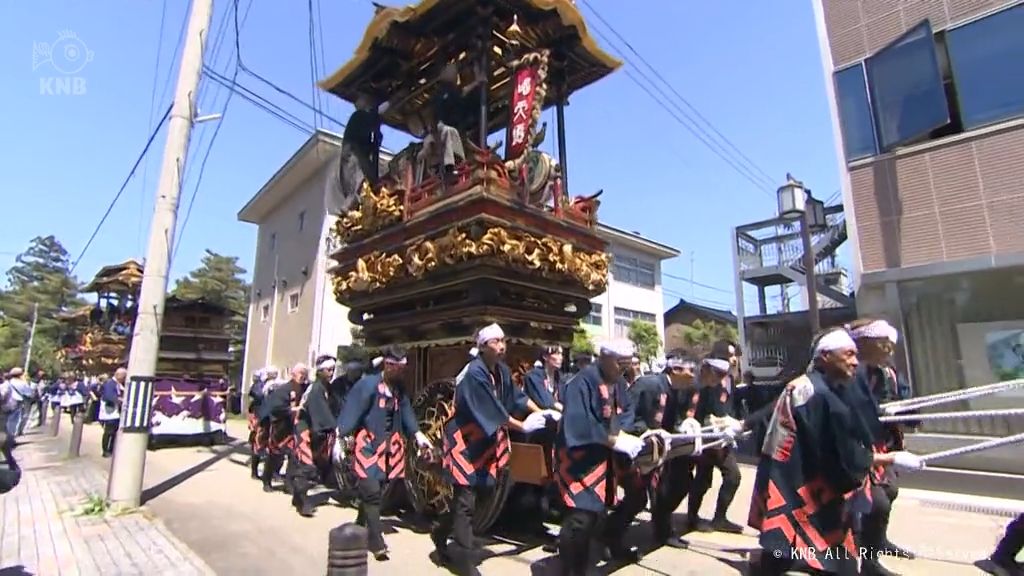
927 99
293 315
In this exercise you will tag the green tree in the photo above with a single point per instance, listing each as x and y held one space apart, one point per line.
41 275
582 343
220 280
644 336
699 336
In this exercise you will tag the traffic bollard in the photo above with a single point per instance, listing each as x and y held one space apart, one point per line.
346 551
55 423
77 424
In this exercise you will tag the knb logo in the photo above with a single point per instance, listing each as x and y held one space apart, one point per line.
68 55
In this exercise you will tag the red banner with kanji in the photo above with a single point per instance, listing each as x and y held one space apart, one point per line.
521 110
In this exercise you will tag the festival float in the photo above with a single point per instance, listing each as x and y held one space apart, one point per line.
425 259
190 386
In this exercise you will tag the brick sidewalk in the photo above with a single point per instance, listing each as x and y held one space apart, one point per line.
42 535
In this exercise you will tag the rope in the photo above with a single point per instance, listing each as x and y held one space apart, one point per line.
954 415
986 445
956 395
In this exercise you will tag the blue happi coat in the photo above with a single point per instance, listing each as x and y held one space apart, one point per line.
594 410
476 442
541 389
381 417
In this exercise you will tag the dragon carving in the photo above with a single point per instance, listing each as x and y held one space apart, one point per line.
376 210
518 249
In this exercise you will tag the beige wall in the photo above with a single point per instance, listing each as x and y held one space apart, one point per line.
941 201
294 251
857 28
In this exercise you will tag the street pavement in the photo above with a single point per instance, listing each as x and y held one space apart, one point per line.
204 496
45 531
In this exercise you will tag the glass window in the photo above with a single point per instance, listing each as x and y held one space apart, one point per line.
595 317
293 302
624 317
906 89
635 271
987 57
855 113
264 312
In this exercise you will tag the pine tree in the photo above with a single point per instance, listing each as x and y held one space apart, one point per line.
41 275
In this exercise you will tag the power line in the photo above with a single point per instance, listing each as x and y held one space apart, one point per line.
696 112
124 185
763 183
282 91
260 102
149 120
695 283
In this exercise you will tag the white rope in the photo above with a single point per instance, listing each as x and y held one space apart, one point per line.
727 441
954 396
684 437
986 445
954 415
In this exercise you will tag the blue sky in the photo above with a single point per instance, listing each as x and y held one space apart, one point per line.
752 68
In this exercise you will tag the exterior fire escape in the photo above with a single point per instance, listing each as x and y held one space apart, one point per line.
769 253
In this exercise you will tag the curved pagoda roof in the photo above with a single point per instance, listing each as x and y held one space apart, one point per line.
403 50
118 278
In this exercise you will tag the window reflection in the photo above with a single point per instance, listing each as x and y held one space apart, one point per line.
855 113
906 89
987 58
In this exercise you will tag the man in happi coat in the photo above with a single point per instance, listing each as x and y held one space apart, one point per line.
542 382
282 408
813 456
645 416
715 402
476 445
257 433
111 392
344 382
593 430
380 415
874 383
1003 562
678 384
314 436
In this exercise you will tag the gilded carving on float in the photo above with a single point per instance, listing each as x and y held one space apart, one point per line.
375 212
519 249
370 273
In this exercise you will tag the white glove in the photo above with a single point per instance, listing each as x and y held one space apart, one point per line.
891 410
338 451
692 427
628 444
422 441
553 414
384 107
907 461
535 421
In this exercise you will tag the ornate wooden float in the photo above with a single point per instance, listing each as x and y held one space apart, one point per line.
425 260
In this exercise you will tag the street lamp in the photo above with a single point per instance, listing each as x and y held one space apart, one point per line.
796 202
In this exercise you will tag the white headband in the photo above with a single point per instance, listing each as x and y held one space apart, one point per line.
835 340
474 352
488 333
620 348
877 329
718 364
327 364
376 361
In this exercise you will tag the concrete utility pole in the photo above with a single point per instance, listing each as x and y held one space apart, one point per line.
129 463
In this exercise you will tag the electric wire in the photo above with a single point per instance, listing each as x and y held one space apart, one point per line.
124 185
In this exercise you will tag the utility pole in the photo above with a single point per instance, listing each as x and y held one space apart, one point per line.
129 463
31 336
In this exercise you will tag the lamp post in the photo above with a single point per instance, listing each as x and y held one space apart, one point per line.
796 202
